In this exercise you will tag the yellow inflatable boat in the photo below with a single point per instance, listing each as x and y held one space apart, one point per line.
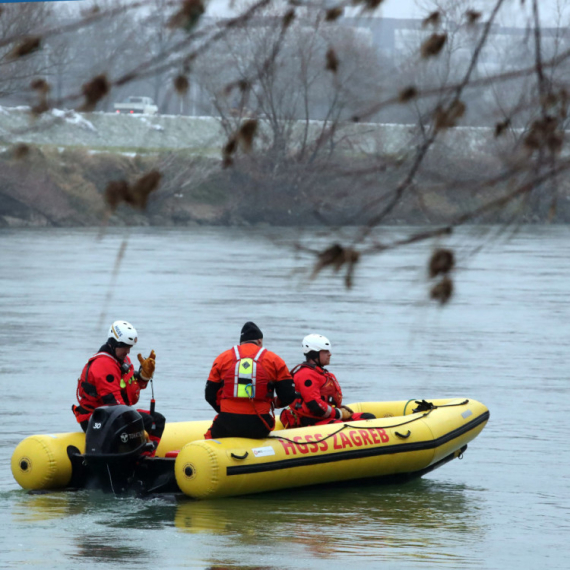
407 440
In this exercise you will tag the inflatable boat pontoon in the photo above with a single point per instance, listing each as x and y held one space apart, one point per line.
407 440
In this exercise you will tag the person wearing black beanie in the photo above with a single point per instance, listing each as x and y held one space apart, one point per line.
245 384
250 331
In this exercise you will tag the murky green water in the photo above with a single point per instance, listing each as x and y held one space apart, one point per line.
503 341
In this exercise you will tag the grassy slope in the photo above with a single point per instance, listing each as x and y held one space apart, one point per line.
65 187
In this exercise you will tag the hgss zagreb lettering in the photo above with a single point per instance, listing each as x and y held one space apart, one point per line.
353 438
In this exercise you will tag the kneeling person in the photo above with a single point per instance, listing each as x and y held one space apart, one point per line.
320 401
109 379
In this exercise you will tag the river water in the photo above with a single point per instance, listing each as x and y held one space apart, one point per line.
503 341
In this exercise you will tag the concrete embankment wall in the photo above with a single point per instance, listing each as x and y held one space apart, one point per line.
110 130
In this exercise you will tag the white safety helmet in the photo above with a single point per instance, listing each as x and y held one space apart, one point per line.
123 333
315 342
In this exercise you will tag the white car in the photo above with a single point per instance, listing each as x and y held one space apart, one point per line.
137 105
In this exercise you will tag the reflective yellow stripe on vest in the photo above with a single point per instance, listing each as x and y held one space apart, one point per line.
123 384
245 374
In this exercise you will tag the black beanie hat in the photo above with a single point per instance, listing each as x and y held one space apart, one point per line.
250 331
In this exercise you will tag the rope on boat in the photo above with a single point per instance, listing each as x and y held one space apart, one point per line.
345 426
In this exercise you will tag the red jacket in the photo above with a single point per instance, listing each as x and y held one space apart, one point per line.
320 391
275 371
103 383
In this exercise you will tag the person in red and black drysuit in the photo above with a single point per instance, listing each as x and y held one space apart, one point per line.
245 384
320 401
109 379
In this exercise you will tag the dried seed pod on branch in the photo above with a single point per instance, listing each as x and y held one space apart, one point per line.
20 151
332 61
407 94
181 84
447 118
433 45
288 18
229 151
243 137
442 291
188 15
40 85
369 4
544 133
434 19
94 91
441 262
337 257
135 195
333 14
473 16
501 127
247 133
143 187
25 47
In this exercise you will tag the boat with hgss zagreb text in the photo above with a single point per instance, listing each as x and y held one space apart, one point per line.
407 440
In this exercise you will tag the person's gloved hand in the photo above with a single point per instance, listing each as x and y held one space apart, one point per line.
423 406
147 366
346 415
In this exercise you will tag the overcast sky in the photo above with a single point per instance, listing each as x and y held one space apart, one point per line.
514 12
391 8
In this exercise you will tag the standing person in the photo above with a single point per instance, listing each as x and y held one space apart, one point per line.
245 384
109 379
321 397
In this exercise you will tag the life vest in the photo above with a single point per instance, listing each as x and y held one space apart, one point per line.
247 379
87 394
130 388
330 389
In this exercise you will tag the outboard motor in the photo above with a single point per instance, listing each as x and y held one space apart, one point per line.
114 441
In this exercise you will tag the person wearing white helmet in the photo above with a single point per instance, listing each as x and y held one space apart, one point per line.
320 400
109 379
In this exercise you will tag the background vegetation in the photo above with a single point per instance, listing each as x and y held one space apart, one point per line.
286 80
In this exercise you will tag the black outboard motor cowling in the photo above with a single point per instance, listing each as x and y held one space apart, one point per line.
114 432
114 441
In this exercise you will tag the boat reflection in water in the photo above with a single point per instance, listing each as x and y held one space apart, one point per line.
359 518
423 519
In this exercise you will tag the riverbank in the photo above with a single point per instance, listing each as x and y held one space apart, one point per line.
54 171
49 186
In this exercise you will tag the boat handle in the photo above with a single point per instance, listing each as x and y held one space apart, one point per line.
403 436
239 456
